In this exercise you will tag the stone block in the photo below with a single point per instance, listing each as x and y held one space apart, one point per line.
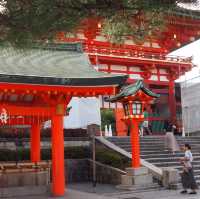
13 192
13 179
136 171
17 179
136 180
126 180
142 179
170 177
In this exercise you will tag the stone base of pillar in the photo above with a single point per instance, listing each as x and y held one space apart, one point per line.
170 178
136 178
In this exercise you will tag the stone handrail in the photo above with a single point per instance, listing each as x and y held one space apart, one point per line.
157 172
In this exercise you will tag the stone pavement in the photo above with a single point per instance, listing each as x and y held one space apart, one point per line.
86 191
113 193
164 194
70 194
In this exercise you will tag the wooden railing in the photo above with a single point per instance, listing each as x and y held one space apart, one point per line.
131 53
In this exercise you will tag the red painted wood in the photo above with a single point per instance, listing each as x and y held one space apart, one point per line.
28 111
30 120
56 90
58 174
135 143
172 101
105 59
121 128
35 143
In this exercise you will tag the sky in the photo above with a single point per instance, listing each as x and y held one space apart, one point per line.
192 6
193 50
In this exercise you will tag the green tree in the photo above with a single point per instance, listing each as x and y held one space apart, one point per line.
25 21
107 118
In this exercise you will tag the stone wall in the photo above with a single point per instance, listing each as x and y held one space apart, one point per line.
81 171
26 178
44 144
77 170
106 174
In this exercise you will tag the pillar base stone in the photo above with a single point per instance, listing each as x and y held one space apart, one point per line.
136 171
170 178
135 178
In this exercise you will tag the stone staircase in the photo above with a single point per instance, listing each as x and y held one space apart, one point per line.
153 151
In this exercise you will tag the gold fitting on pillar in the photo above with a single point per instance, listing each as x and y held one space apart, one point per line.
60 109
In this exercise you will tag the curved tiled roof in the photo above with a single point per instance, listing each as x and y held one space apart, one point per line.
183 12
64 64
132 90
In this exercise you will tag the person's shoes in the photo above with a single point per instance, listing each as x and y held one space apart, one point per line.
183 192
193 192
166 150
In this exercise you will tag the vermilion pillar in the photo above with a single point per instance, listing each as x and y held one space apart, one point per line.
135 143
121 128
58 174
35 143
172 100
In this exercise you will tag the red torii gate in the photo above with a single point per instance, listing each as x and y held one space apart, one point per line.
37 85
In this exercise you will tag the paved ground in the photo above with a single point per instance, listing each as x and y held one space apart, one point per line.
70 194
113 193
85 191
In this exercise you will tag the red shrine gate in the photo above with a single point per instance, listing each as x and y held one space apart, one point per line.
147 60
32 92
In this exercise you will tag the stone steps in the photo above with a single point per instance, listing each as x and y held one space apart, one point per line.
171 164
153 150
156 151
168 159
157 142
165 155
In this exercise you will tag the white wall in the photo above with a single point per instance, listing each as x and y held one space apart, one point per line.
84 111
190 93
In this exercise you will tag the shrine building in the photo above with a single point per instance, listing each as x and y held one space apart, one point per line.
147 60
37 84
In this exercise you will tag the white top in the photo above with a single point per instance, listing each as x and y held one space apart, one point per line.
145 123
188 162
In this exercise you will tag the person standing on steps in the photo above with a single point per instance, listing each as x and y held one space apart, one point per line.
170 140
145 124
187 177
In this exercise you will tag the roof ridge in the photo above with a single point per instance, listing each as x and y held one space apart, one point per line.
180 11
75 46
72 46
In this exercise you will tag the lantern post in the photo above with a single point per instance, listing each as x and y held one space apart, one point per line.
134 97
133 111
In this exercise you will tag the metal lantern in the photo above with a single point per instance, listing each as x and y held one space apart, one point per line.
132 109
134 97
126 109
137 108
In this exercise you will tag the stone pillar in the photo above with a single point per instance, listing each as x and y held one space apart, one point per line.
35 143
58 175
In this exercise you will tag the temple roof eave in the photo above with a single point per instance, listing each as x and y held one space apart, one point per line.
53 64
132 90
100 81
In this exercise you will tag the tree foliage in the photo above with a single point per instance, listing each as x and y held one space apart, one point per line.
25 21
107 118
